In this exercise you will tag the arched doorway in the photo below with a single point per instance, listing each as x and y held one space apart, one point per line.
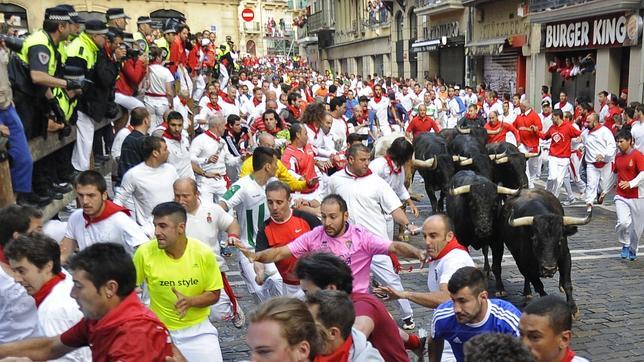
250 48
413 35
15 18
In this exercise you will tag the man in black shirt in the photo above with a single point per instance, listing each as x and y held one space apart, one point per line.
131 154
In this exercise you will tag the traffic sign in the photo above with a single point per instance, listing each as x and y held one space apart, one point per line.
248 14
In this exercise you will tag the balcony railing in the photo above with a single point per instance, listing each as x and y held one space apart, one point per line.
296 4
320 21
423 3
252 27
543 5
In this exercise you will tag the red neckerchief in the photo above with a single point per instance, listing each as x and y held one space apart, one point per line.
227 99
256 102
391 165
598 126
213 136
355 177
130 128
471 117
570 354
183 101
339 355
451 245
295 111
46 288
377 99
562 104
313 128
214 107
545 96
3 258
110 209
170 136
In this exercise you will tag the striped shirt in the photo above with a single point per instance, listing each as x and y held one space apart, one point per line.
248 199
501 317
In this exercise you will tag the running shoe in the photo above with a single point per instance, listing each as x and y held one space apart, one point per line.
625 252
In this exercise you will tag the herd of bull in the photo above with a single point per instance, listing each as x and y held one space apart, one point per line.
486 189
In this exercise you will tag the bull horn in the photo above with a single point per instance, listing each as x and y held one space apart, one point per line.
521 221
496 155
466 162
507 191
501 160
463 130
532 154
425 163
497 131
460 190
569 220
458 158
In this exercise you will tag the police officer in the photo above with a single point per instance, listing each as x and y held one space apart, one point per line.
144 28
163 43
116 18
74 30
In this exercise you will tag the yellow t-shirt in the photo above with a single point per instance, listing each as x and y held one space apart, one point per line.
192 274
281 173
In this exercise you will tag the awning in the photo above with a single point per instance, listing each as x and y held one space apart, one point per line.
425 45
486 47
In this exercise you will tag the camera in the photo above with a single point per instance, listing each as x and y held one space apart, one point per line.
13 43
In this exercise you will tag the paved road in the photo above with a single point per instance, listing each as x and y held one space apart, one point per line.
608 291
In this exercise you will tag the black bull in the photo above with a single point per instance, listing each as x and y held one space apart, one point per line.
435 165
535 229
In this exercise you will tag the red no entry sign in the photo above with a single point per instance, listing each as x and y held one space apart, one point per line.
248 14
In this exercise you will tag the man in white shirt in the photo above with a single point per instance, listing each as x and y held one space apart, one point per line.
380 105
563 103
600 146
248 198
637 129
98 220
206 221
453 108
339 127
369 199
159 89
254 108
35 259
470 97
446 256
178 145
210 155
602 98
18 316
149 183
492 103
229 102
546 123
405 98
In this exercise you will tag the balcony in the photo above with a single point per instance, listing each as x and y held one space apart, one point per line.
252 27
297 4
434 7
548 11
321 22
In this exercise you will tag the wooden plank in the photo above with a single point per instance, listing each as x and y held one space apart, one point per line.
6 190
41 147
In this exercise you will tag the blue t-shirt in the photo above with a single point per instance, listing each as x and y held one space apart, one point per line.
501 317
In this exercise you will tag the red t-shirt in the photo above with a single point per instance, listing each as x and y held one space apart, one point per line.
561 137
274 235
419 125
627 167
129 332
528 138
384 337
500 137
303 163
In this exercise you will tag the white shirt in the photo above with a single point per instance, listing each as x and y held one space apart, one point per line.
18 316
339 130
252 111
496 106
248 199
566 108
179 156
599 142
546 123
406 101
368 198
603 112
119 228
380 167
57 313
147 187
638 135
158 76
229 108
204 146
184 111
381 110
205 224
118 142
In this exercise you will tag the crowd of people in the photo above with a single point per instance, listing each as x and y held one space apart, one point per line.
219 158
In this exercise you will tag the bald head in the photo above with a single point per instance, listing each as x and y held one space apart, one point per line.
186 193
440 221
186 183
266 139
271 96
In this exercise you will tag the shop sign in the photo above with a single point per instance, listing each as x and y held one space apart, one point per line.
600 32
449 30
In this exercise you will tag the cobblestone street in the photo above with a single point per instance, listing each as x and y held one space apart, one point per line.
607 290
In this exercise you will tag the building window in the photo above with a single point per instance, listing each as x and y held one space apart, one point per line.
399 26
15 17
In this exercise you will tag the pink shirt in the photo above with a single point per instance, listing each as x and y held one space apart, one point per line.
356 247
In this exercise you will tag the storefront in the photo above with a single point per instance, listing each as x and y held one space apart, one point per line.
443 45
496 49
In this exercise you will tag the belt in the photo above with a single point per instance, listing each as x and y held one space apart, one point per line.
599 164
155 94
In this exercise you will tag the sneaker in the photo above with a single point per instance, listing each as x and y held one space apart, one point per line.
569 202
408 324
625 252
631 255
240 318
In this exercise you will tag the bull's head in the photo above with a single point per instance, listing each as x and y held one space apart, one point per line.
483 203
549 232
431 163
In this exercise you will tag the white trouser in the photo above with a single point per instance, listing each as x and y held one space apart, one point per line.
557 170
538 163
383 271
533 170
272 286
598 177
211 189
630 221
390 226
223 76
293 291
84 139
127 102
222 310
198 343
156 107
